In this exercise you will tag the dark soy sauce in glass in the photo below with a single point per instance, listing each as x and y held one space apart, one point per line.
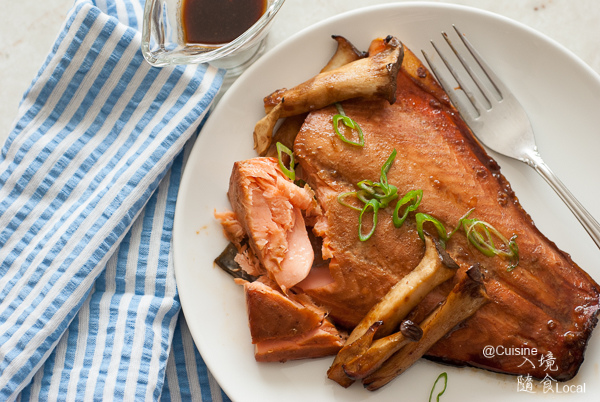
215 22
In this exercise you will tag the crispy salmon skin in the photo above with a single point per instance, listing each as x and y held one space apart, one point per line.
547 303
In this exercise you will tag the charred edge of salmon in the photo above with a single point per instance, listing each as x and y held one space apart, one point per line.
589 325
420 75
494 168
432 87
226 261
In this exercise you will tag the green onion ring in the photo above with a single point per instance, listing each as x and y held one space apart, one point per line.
514 248
481 235
374 195
374 204
385 168
348 122
341 197
421 218
413 199
443 375
290 173
460 222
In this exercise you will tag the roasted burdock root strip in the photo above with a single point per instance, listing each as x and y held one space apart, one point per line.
371 77
289 128
286 133
345 53
464 300
382 349
435 268
349 352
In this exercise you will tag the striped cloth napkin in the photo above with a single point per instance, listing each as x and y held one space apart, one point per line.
89 176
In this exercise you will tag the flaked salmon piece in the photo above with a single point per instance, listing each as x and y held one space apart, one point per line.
248 261
322 341
269 208
273 315
231 226
547 303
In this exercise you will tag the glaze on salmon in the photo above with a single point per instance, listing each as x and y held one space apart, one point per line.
547 302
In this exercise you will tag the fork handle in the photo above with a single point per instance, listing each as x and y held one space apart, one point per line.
583 216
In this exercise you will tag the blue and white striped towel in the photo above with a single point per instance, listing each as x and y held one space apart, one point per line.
88 182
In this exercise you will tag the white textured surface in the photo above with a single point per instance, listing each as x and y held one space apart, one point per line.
29 28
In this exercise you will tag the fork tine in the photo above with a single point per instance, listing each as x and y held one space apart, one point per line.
492 77
486 94
448 88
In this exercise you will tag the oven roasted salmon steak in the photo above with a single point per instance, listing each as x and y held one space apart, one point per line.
546 303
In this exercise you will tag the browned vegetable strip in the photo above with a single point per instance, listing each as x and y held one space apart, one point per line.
345 53
349 351
463 301
286 133
435 267
226 261
369 77
366 363
289 128
263 130
373 76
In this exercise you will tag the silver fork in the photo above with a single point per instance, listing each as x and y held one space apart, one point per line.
500 122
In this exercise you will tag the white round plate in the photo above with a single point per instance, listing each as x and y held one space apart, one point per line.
561 95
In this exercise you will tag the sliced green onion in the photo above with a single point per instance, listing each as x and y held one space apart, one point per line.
381 190
421 218
481 235
391 195
342 196
368 186
374 196
351 124
363 196
373 204
460 222
385 168
443 375
385 194
413 199
290 173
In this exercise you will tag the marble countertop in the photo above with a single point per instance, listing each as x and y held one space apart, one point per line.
31 27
